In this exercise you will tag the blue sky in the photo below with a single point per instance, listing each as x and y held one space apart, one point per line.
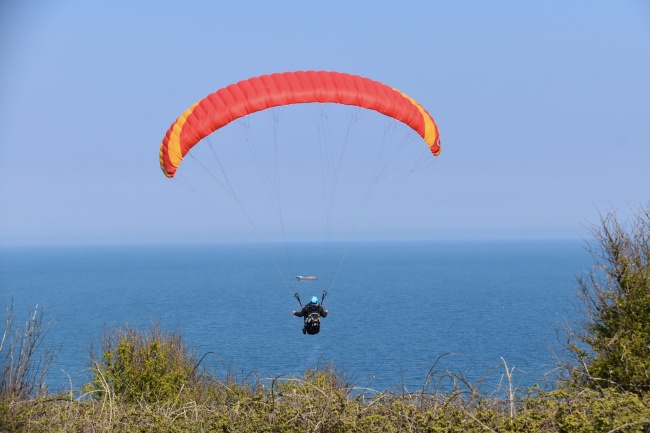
543 108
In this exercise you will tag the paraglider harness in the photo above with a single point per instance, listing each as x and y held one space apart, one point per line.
312 320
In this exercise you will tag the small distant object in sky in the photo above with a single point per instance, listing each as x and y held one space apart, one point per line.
305 278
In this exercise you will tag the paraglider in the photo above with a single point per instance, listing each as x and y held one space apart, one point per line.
311 314
256 94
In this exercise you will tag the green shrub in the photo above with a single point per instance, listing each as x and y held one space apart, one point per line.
135 366
612 344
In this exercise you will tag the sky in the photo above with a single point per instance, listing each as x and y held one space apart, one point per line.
543 108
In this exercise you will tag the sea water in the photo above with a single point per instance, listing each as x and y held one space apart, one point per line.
394 308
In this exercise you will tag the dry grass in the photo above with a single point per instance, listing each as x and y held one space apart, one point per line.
25 358
323 400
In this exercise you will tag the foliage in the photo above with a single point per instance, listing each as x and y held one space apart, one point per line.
612 344
150 366
148 382
25 359
324 401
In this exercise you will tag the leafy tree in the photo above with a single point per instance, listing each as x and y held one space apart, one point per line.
612 342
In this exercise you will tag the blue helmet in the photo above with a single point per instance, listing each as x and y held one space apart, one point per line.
314 300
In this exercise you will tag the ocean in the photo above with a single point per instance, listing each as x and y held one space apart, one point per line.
396 310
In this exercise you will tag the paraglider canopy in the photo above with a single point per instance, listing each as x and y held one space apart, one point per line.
255 94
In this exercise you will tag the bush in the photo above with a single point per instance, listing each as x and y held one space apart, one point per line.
136 366
612 344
